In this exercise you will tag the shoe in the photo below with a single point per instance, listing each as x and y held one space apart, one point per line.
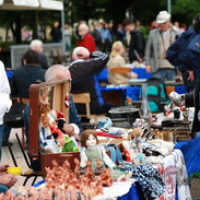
5 144
177 99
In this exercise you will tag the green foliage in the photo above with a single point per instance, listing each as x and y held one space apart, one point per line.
116 10
145 31
185 10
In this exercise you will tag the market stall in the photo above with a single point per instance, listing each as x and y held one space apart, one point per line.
158 170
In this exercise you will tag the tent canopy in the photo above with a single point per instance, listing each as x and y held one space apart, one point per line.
31 5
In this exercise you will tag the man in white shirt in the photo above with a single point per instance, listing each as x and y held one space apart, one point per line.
5 100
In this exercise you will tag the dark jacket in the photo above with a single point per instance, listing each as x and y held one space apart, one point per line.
177 52
43 61
193 100
136 43
23 77
84 79
56 34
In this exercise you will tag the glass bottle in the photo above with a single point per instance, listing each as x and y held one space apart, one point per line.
145 110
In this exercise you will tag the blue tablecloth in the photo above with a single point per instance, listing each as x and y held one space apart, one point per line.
142 73
135 193
103 76
132 92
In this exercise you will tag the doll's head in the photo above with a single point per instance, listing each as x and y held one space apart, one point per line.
89 138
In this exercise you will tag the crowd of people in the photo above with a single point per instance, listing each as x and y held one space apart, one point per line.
96 50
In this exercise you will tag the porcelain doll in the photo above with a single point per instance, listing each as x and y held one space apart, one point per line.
46 139
92 152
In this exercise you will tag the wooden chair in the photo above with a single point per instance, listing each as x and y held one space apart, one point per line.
84 98
29 173
25 101
123 70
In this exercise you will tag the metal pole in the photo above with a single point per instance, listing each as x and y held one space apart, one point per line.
169 6
63 25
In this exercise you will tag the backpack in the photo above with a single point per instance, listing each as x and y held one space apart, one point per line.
15 117
156 93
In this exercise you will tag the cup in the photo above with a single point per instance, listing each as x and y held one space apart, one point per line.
14 170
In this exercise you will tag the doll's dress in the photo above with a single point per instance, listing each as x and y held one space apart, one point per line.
97 153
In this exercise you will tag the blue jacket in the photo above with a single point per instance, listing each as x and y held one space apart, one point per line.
193 55
176 53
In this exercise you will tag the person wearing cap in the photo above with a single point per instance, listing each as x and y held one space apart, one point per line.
157 44
37 45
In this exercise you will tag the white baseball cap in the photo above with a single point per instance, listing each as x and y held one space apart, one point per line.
162 17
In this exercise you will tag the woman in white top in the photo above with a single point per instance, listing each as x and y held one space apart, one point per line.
118 61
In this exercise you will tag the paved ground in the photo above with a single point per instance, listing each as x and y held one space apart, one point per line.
6 158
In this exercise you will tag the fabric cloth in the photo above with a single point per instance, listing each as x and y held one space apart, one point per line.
88 42
84 79
190 150
181 176
175 176
23 77
117 62
149 179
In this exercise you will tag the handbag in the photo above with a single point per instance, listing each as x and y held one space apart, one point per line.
14 118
